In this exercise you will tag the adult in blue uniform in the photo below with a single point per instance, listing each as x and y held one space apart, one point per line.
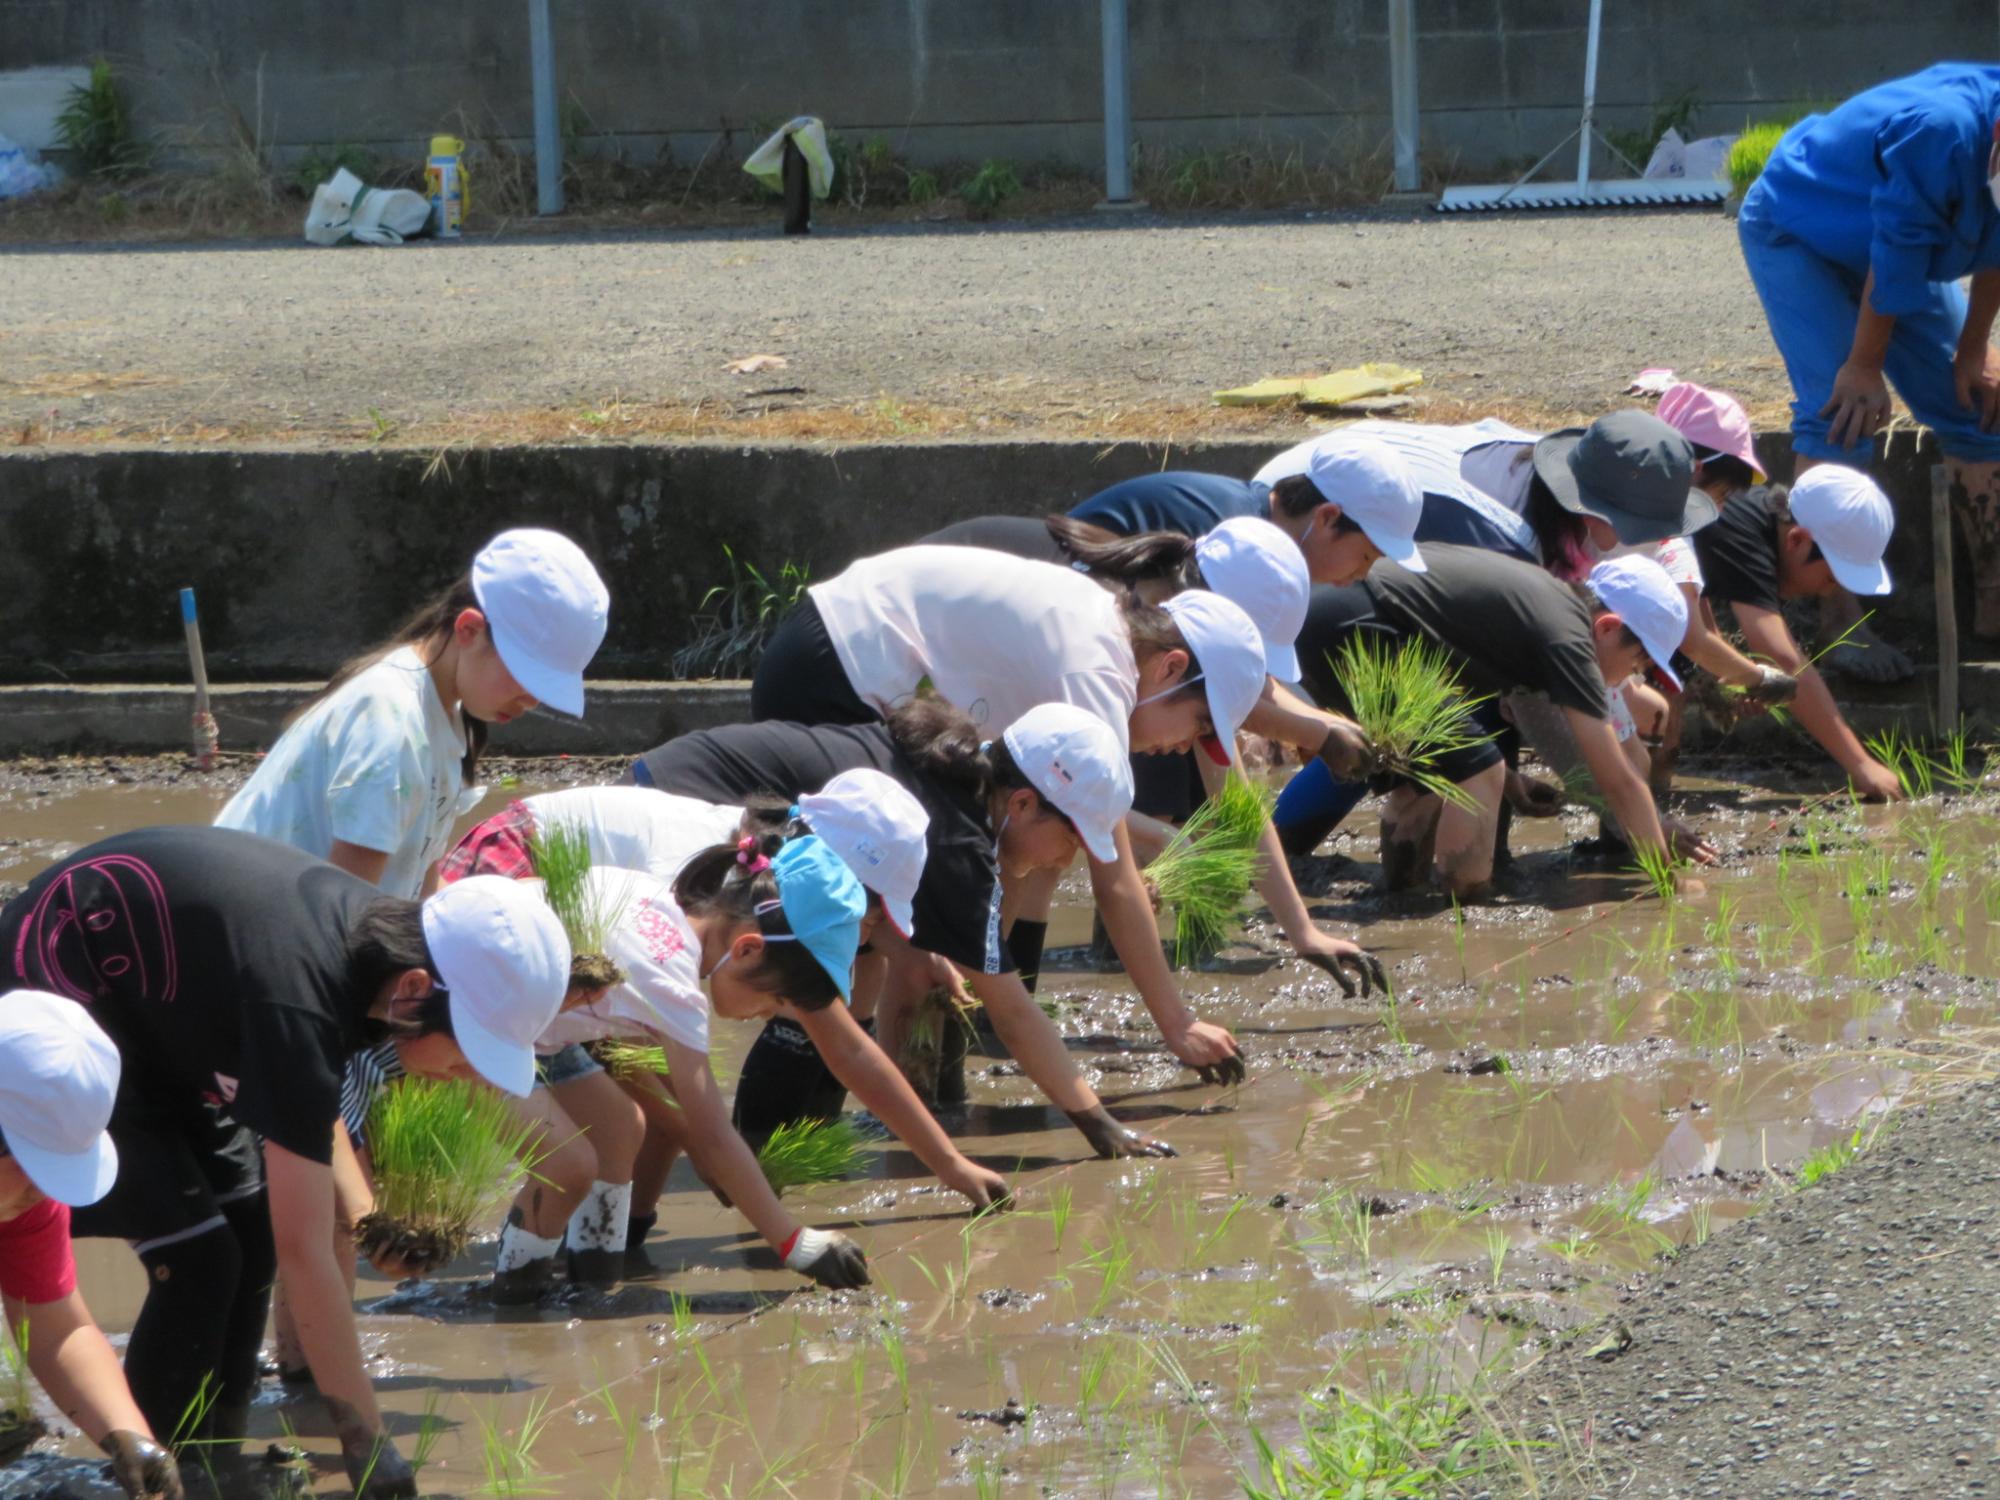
1856 237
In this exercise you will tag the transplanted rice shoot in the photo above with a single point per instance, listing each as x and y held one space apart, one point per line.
1407 699
804 1152
561 856
447 1152
1209 866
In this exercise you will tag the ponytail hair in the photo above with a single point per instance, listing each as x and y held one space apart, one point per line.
1140 558
735 882
429 630
1561 532
940 740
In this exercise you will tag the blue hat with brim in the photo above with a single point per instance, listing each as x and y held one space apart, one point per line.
823 904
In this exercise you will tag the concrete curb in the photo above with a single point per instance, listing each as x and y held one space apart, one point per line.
627 717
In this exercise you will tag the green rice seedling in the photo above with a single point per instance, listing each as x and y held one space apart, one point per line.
1901 754
430 1427
1824 1162
18 1425
1210 864
638 1062
1062 1200
1701 1223
1661 867
506 1450
1408 701
806 1152
560 854
1751 150
447 1153
1575 1246
1391 1444
1498 1247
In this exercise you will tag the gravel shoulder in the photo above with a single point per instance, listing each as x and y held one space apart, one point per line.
1113 326
1839 1343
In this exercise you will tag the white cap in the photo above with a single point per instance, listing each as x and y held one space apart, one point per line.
1078 763
1255 565
1850 518
58 1078
1373 487
1231 654
504 959
877 827
1639 592
547 610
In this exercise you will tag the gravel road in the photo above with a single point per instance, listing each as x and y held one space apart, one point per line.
1027 325
1840 1343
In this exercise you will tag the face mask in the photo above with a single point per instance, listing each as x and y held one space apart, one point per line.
1169 691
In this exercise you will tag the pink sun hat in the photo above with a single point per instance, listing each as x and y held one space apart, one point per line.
1713 419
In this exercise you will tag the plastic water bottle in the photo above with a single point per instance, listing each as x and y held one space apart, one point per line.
444 179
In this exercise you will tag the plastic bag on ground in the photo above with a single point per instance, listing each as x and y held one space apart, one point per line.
20 174
343 209
767 162
1702 159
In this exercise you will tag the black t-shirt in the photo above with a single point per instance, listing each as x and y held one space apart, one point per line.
957 904
1515 626
1180 500
1738 551
215 959
1018 536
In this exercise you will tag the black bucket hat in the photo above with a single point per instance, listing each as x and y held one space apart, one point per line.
1630 470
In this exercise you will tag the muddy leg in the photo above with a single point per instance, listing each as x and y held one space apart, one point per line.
1464 837
613 1126
1409 836
1975 502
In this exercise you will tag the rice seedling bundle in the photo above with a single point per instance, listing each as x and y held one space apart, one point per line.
1407 699
447 1152
1208 868
640 1062
560 853
804 1152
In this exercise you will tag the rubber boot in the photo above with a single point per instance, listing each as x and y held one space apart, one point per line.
639 1265
1975 502
521 1285
600 1269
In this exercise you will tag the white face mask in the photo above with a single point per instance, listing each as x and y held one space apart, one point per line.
1168 692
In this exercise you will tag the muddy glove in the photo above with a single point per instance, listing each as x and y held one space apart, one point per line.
1368 979
1771 686
377 1471
831 1259
1347 752
143 1469
1110 1139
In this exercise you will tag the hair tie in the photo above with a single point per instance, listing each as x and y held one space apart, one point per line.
756 865
986 747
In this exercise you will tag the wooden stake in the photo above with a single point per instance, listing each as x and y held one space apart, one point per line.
1947 600
206 735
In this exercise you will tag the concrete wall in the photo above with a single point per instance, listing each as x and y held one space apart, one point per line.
951 79
303 559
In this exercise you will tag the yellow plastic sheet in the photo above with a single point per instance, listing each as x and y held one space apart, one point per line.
1334 389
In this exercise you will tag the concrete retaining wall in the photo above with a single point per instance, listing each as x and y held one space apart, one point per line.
943 79
302 559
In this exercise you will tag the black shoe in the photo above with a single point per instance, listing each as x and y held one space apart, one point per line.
524 1284
639 1265
601 1269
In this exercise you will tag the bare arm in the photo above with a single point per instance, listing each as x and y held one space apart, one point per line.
1625 790
724 1157
865 1069
369 864
1767 634
76 1365
1282 715
1707 648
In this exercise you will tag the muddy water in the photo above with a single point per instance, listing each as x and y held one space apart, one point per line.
1569 1083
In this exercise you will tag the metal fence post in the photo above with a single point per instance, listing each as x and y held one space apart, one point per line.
1403 92
1117 105
548 133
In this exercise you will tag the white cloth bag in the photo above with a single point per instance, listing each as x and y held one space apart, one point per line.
342 209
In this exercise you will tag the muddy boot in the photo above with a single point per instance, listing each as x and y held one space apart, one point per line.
599 1269
525 1284
1103 953
952 1048
1975 502
638 1264
783 1081
1862 655
1024 946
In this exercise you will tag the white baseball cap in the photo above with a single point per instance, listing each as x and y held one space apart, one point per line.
877 827
58 1078
1850 518
547 610
1230 654
1078 763
1639 592
1254 564
504 959
1374 489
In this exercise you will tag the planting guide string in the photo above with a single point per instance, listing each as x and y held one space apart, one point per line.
940 1224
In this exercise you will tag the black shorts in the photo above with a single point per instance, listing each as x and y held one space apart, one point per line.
177 1167
1167 786
800 677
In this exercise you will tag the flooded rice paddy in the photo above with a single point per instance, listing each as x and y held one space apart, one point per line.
1570 1083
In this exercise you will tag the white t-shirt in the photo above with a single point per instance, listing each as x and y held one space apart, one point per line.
376 765
996 635
651 940
637 828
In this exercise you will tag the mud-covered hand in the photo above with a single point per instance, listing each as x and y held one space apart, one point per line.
1200 1044
828 1257
1531 797
1771 686
144 1470
984 1187
376 1470
1357 971
1689 842
1347 751
1110 1139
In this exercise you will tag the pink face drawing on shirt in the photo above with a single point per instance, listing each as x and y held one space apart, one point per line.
101 929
